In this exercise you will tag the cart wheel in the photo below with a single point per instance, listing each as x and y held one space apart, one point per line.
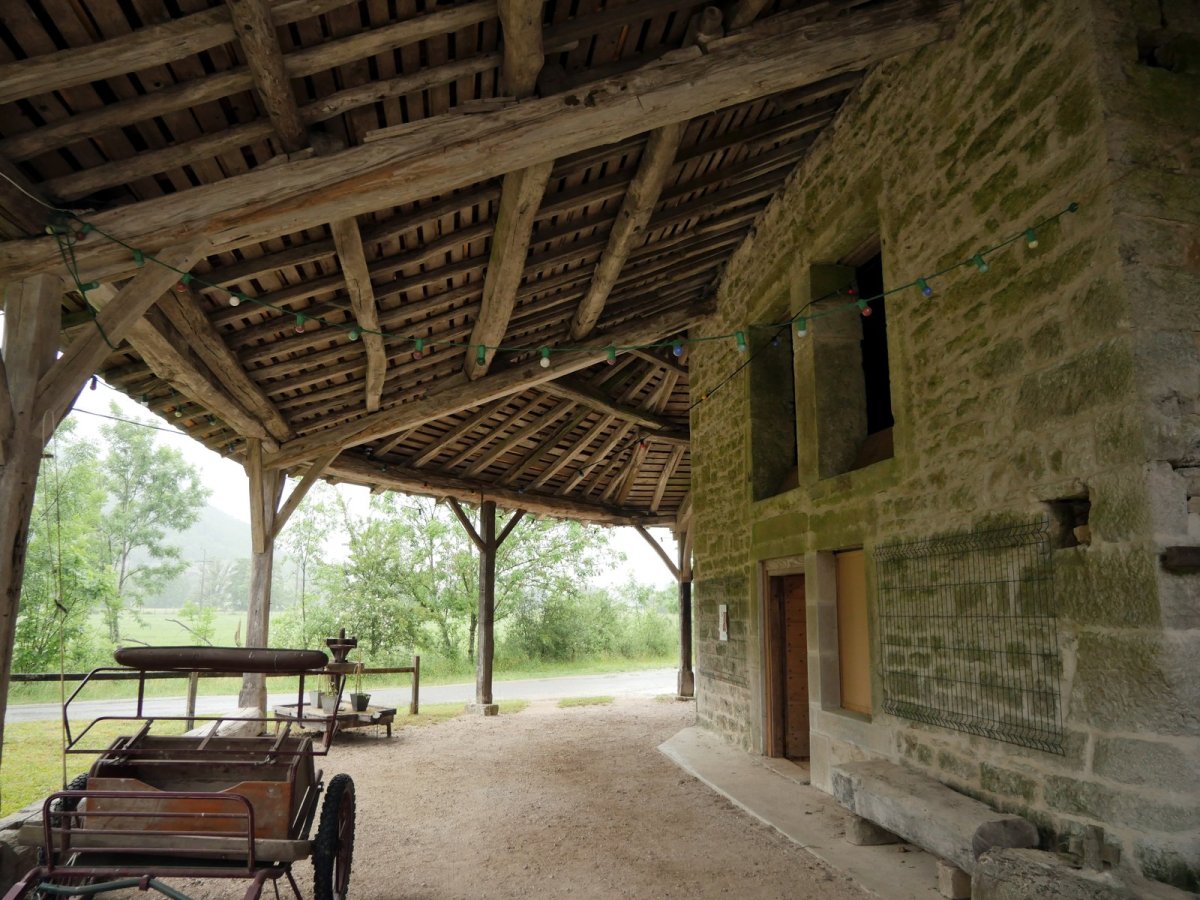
333 849
63 804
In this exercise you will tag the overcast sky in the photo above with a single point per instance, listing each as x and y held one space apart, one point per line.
229 489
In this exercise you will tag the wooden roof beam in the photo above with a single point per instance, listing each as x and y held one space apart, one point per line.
353 258
174 359
657 162
57 388
520 194
665 477
453 394
399 478
573 452
255 32
441 154
584 393
495 432
520 197
514 440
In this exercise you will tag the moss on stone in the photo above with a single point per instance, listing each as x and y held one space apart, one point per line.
1001 360
1098 375
989 194
1047 341
1076 109
1107 586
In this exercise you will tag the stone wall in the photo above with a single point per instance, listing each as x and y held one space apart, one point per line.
1067 371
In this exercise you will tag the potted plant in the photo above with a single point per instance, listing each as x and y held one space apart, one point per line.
359 700
324 695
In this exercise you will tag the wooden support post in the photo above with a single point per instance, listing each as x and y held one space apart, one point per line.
192 689
687 677
31 316
266 488
414 705
488 542
487 608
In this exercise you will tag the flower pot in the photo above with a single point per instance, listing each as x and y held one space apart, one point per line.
358 702
327 702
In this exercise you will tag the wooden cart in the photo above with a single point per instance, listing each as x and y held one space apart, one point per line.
197 805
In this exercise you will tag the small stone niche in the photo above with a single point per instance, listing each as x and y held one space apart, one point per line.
1069 521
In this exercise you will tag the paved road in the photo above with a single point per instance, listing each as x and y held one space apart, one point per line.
646 683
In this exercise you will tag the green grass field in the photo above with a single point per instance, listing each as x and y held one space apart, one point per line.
31 770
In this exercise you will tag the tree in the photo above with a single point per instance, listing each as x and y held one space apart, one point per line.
151 490
65 572
303 540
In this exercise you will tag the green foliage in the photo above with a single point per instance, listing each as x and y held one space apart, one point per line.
150 490
65 575
200 621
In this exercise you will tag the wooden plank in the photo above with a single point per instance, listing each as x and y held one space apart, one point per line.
58 387
454 394
349 245
635 212
255 33
600 454
630 477
519 199
538 423
389 38
573 452
669 364
547 446
183 311
448 440
151 46
434 157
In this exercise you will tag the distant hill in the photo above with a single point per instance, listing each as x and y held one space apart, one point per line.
216 535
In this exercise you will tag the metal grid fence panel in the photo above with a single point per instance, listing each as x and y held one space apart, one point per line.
968 634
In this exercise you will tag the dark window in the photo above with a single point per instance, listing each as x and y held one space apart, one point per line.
876 381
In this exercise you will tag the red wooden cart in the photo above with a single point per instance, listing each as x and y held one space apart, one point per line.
155 806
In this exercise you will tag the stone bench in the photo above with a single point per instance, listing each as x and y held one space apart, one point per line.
927 813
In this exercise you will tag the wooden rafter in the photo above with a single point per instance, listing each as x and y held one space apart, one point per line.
183 310
520 194
175 361
355 270
58 387
466 426
571 454
504 445
453 395
777 54
430 484
597 399
658 157
519 199
255 30
665 477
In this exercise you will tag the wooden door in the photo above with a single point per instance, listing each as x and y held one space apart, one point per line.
795 652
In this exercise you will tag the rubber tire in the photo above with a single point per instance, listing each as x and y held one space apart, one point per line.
63 804
334 852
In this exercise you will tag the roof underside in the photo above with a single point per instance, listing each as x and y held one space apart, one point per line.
606 439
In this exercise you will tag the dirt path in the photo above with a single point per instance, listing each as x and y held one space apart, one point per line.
552 803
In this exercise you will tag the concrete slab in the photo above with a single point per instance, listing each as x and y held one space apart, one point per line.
777 793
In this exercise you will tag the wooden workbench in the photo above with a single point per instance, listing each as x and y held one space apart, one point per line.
313 717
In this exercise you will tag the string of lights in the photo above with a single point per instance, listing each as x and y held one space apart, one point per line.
67 234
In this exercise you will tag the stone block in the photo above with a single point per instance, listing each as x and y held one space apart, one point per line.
1017 874
952 881
1006 783
927 813
865 833
1151 763
483 709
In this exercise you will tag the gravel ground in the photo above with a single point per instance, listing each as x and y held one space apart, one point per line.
551 802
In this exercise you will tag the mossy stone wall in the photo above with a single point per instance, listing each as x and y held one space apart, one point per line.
1072 368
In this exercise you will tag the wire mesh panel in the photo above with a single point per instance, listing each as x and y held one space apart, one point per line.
968 634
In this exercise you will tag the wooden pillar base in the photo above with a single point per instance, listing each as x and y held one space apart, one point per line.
483 709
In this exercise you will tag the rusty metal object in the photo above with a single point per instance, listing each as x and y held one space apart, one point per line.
233 660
